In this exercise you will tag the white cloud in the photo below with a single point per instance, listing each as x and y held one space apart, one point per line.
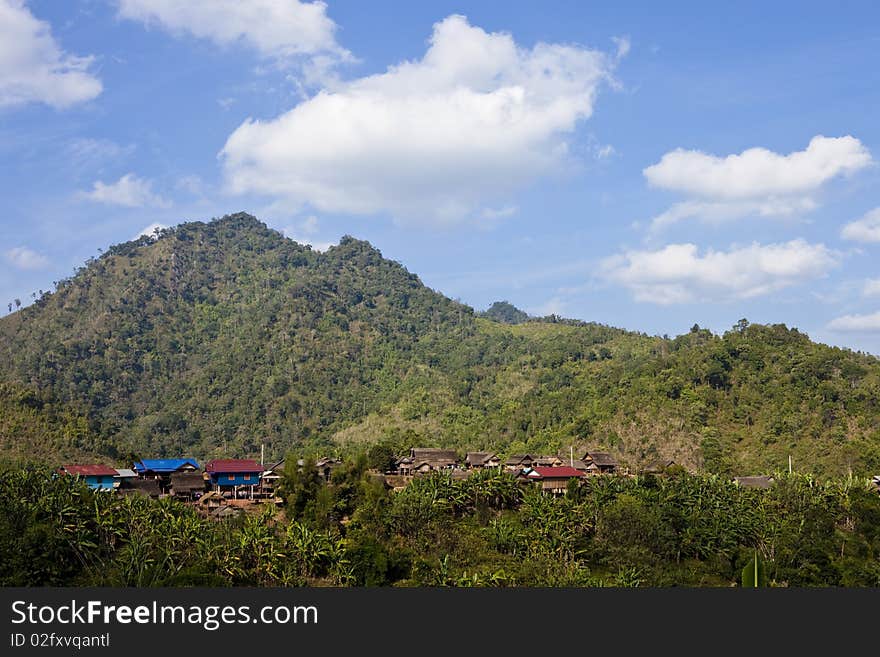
856 323
605 151
866 229
871 288
129 191
150 230
677 273
22 257
433 139
276 29
499 213
304 232
717 212
754 182
87 153
34 68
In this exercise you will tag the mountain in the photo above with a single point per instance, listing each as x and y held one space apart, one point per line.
212 339
504 311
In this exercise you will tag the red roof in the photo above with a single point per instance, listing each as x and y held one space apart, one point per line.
563 471
89 470
233 465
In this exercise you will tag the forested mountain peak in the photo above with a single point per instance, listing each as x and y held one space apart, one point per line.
214 339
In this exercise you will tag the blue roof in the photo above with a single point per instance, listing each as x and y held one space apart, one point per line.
163 465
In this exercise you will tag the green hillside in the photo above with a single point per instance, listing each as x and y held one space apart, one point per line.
218 337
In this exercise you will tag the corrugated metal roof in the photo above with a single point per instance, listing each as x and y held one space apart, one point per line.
89 470
164 465
125 472
233 465
556 473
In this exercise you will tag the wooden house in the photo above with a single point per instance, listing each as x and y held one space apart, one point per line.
162 469
137 486
579 465
425 460
403 465
187 485
211 501
96 476
481 460
516 462
552 480
123 475
269 478
241 477
658 467
547 461
326 466
599 463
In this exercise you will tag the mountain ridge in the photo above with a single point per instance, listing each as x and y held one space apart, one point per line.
216 338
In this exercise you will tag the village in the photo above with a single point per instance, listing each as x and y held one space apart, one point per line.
228 487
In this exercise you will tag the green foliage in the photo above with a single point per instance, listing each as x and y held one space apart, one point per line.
680 530
754 574
213 339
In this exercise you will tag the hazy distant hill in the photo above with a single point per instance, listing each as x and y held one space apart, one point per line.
218 337
504 311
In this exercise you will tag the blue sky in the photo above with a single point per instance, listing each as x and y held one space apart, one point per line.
615 162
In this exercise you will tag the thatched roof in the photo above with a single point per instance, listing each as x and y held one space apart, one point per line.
519 459
478 458
187 482
423 454
601 459
142 486
547 461
434 459
658 466
211 496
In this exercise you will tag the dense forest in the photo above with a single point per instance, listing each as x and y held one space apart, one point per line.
212 339
488 530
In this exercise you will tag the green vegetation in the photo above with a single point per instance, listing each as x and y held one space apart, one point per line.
214 338
487 530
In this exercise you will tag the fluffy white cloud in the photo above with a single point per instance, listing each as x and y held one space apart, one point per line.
150 230
856 323
129 191
22 257
866 229
34 68
754 182
304 233
678 273
277 29
433 139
